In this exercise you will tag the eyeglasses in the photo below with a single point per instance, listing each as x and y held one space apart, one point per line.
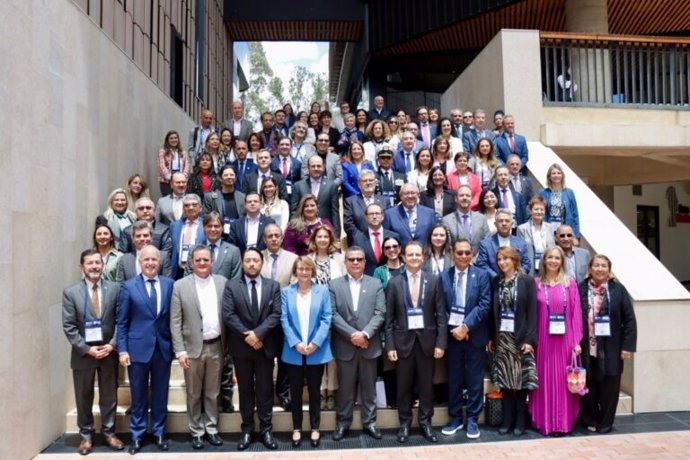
392 122
565 235
463 253
467 116
323 140
355 259
391 247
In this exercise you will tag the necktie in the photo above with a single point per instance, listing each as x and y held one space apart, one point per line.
468 227
516 184
377 246
408 163
241 171
460 290
177 208
458 130
285 168
414 289
504 197
426 135
255 297
274 266
411 221
187 238
94 300
511 141
213 246
153 295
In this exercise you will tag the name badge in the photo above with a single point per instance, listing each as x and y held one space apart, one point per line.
537 260
602 326
93 332
226 225
288 188
184 254
415 319
507 321
457 316
557 324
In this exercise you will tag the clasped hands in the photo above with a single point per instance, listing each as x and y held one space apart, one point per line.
100 351
461 333
358 339
306 350
253 341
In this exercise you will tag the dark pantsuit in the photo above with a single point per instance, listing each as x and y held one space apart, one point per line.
360 372
465 370
159 371
420 367
598 407
255 384
313 374
107 390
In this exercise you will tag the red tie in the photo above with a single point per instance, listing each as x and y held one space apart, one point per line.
512 143
377 246
285 168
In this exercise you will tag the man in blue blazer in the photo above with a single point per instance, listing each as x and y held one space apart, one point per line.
467 290
367 239
404 160
479 131
427 131
186 233
379 111
145 346
289 168
410 220
488 248
511 143
242 165
508 198
248 230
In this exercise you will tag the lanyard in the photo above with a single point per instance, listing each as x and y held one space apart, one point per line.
565 299
86 299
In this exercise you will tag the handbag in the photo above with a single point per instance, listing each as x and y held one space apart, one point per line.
576 376
493 408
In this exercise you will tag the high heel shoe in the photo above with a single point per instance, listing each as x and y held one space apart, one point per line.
296 438
315 441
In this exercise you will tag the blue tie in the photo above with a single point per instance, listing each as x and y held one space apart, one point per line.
274 266
408 164
153 295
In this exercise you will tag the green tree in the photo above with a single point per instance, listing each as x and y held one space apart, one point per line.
259 74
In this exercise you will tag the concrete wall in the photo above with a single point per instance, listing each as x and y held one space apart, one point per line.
77 117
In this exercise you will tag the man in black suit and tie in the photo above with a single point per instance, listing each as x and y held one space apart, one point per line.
416 335
88 320
359 309
371 239
354 206
251 311
228 202
325 191
247 231
456 119
252 181
243 165
389 181
509 199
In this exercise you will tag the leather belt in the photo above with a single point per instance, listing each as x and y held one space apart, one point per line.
211 341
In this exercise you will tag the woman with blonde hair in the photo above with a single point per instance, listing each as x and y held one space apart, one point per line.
116 215
561 205
136 188
272 205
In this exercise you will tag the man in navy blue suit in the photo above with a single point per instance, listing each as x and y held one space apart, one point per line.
145 346
242 165
288 167
409 219
427 131
467 290
404 160
508 198
248 230
511 143
379 112
186 233
488 248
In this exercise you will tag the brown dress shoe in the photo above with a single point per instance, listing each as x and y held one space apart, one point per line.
85 447
113 442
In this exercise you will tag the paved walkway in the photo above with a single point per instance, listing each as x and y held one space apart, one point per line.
666 445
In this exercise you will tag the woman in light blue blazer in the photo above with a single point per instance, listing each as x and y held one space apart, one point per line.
561 206
306 321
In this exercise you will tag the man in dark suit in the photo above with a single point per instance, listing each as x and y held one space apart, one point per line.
196 326
479 131
251 311
416 334
289 168
372 238
410 220
241 127
488 248
169 208
325 191
510 143
243 165
509 198
518 182
379 112
354 206
145 209
359 309
88 320
252 181
247 231
143 340
198 135
427 131
467 291
228 202
456 119
388 180
186 233
332 166
128 266
465 223
404 160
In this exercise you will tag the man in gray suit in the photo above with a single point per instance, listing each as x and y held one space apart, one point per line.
196 327
145 209
331 161
128 266
169 208
358 315
88 319
241 127
324 189
465 223
576 259
226 256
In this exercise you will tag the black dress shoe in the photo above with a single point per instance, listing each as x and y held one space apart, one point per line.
269 441
215 439
519 431
162 443
197 442
286 404
339 433
403 434
134 447
372 431
245 441
227 408
503 430
428 433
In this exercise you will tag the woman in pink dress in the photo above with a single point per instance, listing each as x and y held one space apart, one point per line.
559 332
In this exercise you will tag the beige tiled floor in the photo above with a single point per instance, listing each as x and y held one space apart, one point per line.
668 445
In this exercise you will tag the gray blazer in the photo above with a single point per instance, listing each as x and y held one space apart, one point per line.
246 128
333 168
127 266
73 320
164 210
368 318
480 228
227 262
213 201
185 315
524 231
581 264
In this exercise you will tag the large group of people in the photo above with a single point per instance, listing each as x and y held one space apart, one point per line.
445 257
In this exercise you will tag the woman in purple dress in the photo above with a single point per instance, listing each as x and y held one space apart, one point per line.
301 226
559 332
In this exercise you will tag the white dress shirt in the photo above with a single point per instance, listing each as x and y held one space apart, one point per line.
303 307
208 301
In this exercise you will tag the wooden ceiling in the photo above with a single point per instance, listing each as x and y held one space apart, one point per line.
330 31
627 17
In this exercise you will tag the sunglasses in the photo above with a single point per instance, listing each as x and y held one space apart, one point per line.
388 248
565 235
463 253
355 259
